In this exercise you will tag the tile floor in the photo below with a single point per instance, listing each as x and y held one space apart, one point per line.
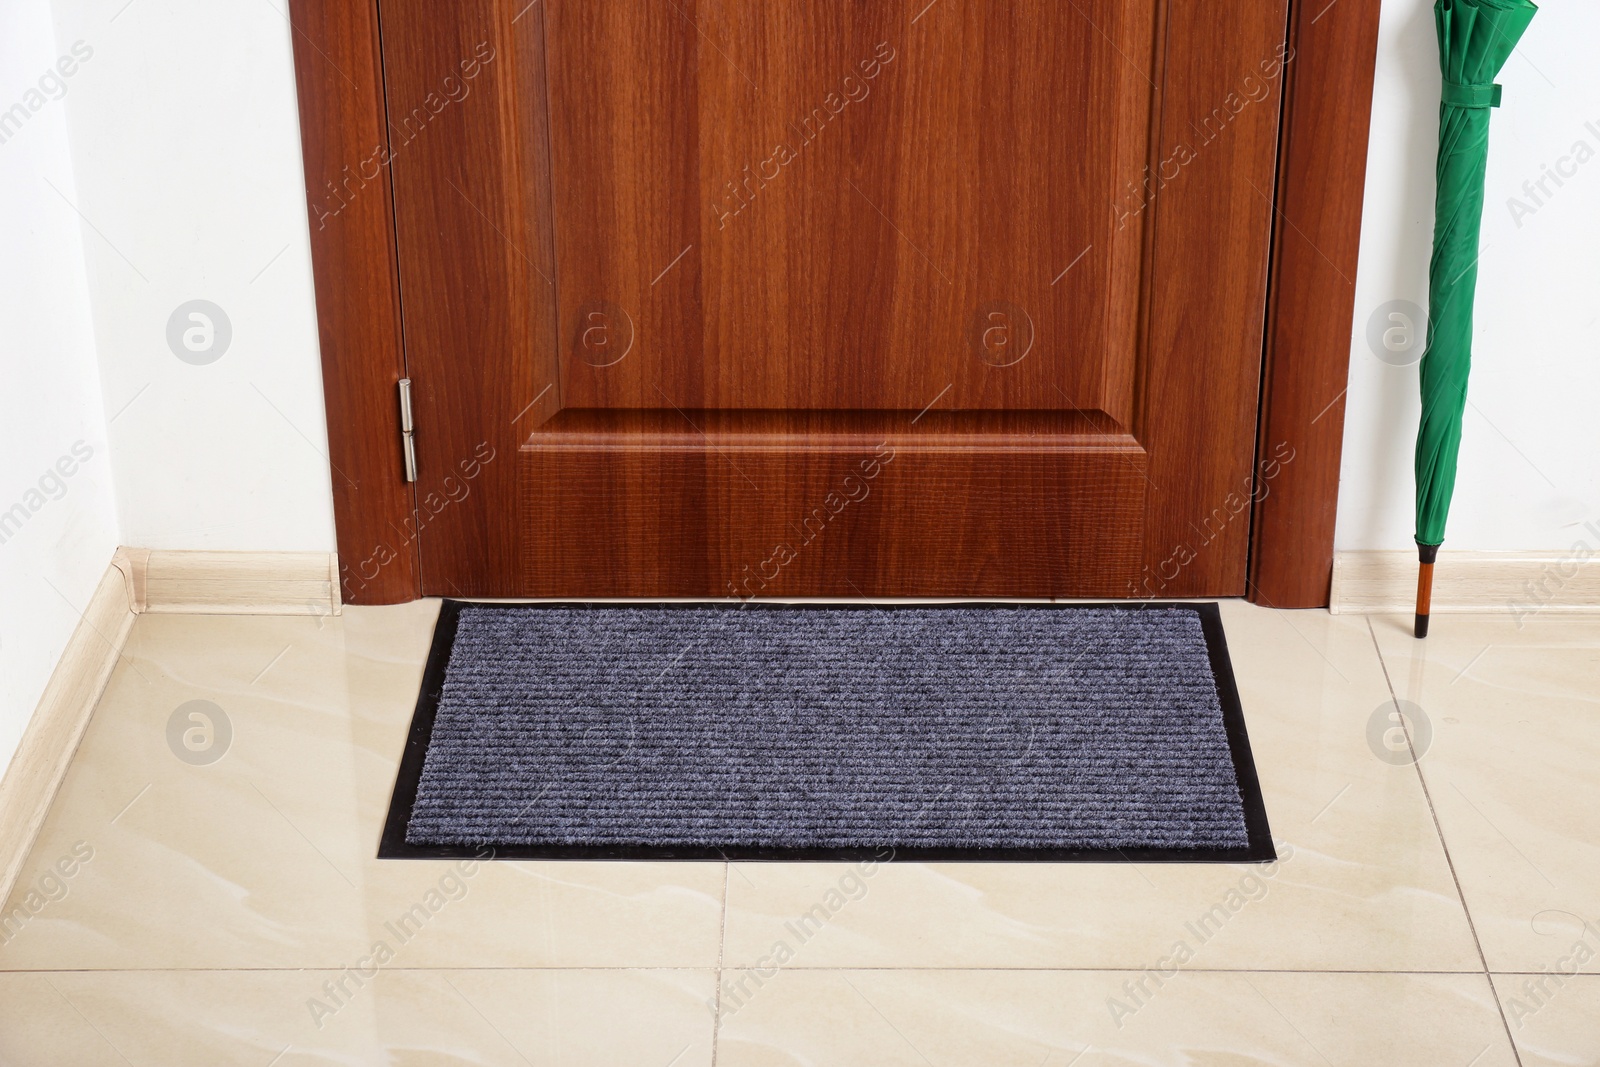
1424 911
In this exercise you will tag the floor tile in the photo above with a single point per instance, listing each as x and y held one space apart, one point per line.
1073 1019
178 909
265 857
1554 1020
393 1016
1509 742
1362 883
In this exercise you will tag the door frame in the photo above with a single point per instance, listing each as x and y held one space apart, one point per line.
1321 176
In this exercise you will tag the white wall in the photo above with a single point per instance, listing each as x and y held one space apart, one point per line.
57 524
186 142
1530 456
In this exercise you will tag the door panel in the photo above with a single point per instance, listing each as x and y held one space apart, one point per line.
968 161
848 298
866 514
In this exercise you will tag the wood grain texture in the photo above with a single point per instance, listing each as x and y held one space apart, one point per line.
788 228
343 133
807 207
466 100
1321 183
1209 189
840 515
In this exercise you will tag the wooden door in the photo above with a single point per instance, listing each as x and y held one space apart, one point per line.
835 298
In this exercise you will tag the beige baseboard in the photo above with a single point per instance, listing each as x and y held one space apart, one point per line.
138 581
232 583
48 744
1520 583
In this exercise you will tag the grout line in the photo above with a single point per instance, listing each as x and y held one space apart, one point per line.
716 976
976 969
1438 828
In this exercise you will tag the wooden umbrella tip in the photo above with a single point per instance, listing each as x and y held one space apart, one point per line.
1426 554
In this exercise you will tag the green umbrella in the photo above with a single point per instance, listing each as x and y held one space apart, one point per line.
1476 37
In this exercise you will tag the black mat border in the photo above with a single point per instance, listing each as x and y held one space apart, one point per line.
393 844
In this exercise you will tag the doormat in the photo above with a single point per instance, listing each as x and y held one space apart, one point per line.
828 732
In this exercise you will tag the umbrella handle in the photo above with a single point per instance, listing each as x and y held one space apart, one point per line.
1426 554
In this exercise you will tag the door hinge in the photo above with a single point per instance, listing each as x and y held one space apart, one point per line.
408 444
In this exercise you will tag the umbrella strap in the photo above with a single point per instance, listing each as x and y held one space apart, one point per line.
1471 96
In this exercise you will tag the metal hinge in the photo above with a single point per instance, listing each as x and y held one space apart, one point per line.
408 444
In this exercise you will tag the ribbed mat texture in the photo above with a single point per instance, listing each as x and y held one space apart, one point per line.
982 728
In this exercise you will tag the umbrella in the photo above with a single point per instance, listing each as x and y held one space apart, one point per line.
1476 37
